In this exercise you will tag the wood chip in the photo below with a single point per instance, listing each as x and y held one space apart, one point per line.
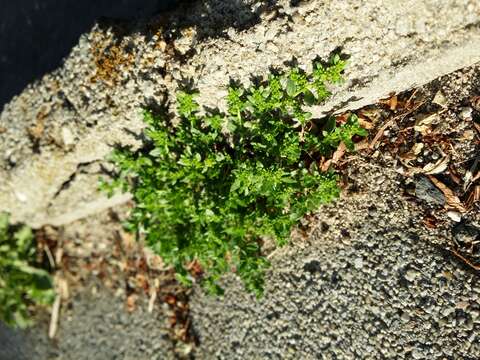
391 102
452 200
440 99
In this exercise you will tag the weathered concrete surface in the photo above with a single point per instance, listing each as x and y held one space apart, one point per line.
56 133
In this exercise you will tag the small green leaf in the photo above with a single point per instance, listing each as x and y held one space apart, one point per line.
310 98
291 88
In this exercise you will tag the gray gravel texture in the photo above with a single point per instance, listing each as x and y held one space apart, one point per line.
370 282
13 344
95 325
35 35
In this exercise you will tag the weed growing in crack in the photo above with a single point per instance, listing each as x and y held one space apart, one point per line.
22 282
211 188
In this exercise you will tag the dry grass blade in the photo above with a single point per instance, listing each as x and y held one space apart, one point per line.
380 132
52 330
465 260
473 197
477 126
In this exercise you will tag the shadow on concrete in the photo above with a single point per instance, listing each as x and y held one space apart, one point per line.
35 35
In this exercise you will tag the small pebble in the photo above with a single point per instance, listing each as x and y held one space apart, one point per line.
455 216
358 263
465 113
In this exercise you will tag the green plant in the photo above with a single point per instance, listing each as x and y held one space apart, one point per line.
211 188
22 284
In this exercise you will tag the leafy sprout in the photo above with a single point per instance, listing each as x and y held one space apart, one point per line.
212 188
22 282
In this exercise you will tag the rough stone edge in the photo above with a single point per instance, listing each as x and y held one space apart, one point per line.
411 76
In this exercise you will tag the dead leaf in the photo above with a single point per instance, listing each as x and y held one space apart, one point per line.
373 114
476 102
326 165
364 123
452 200
170 299
437 168
154 262
342 118
195 268
430 221
468 135
393 102
361 145
423 125
128 242
141 282
337 155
